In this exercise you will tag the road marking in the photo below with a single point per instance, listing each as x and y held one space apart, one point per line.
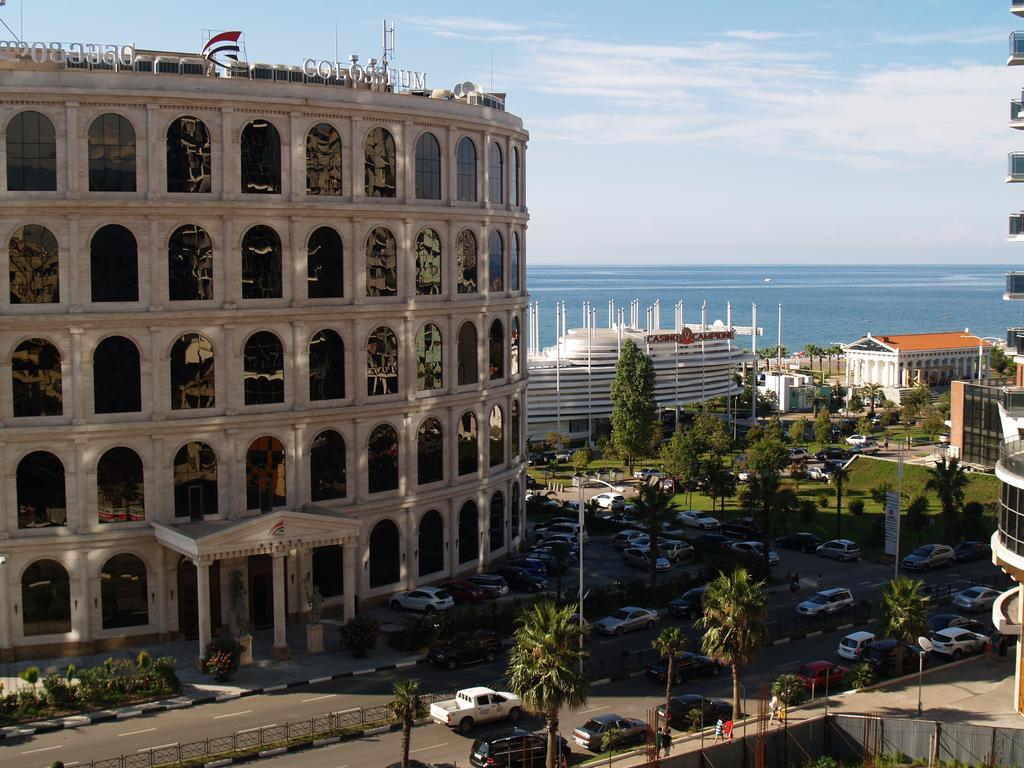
319 698
864 583
233 714
162 746
136 733
41 749
424 749
595 709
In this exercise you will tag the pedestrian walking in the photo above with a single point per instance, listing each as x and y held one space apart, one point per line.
821 581
659 740
667 740
773 707
719 730
794 586
728 729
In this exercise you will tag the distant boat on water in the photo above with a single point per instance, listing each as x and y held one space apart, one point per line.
767 279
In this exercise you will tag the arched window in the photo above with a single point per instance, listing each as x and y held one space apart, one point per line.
428 358
261 264
515 429
469 532
326 366
120 492
379 160
513 347
114 264
190 264
42 499
469 438
466 261
381 263
36 379
31 153
384 554
265 474
513 266
382 362
195 481
496 175
428 168
111 154
429 452
45 599
428 263
323 160
123 592
116 378
263 371
324 268
515 510
188 156
513 190
467 356
496 351
261 159
382 459
327 467
328 567
496 262
465 168
192 373
497 526
431 543
496 436
33 266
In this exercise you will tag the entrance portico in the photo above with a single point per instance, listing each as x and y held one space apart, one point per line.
231 546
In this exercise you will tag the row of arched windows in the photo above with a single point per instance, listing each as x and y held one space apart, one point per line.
37 375
34 259
120 482
32 160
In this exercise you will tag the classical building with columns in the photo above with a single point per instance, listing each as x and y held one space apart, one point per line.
261 335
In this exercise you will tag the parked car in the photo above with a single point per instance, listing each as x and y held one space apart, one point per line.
638 557
695 518
957 642
624 538
554 561
674 549
819 473
801 542
626 619
647 474
531 564
679 708
822 675
852 646
716 540
869 447
857 439
833 453
464 592
839 549
757 548
521 579
545 524
590 735
563 457
542 503
928 556
609 500
881 656
513 748
568 539
465 648
531 484
690 605
826 603
572 529
425 599
670 528
494 586
476 705
745 528
798 454
975 598
686 666
972 550
949 620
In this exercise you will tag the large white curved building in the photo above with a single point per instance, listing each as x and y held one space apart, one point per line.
260 332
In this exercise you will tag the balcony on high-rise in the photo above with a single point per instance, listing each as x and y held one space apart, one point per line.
1016 48
1017 7
1017 113
1014 286
1015 167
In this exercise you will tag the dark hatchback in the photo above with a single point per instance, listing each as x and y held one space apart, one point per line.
680 707
590 735
534 566
801 542
466 648
743 528
464 592
522 579
715 540
512 748
955 620
494 586
690 605
687 666
972 550
881 656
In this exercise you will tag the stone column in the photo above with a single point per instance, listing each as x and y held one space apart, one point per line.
84 612
151 162
76 374
73 293
6 644
203 606
73 148
350 558
162 609
280 626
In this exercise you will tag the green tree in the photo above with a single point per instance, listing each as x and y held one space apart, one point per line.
933 422
680 458
1000 362
406 707
718 482
561 553
917 516
790 690
812 351
823 427
839 477
545 666
710 434
633 410
798 430
949 482
654 506
734 625
581 459
556 441
610 739
834 351
670 644
768 456
903 615
871 394
864 425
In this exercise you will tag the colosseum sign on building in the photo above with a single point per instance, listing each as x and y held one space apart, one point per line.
260 329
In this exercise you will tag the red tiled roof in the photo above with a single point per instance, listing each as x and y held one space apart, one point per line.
916 342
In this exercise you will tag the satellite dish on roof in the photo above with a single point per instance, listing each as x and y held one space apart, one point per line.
457 90
924 644
468 88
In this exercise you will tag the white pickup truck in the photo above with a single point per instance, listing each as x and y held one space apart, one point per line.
476 705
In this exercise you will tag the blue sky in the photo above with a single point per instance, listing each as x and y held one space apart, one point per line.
692 132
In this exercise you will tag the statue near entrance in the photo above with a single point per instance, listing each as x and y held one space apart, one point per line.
239 603
314 629
316 605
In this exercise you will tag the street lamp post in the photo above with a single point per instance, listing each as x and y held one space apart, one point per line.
924 646
981 347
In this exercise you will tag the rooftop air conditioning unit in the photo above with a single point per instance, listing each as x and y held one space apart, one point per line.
262 72
165 65
281 73
193 67
295 75
144 64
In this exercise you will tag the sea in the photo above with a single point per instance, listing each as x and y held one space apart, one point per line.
820 304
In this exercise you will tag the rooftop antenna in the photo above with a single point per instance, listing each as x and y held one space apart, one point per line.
335 41
16 36
491 88
389 45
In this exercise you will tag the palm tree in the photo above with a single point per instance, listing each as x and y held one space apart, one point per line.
407 707
839 476
763 492
871 392
560 552
545 666
654 506
903 615
812 351
734 624
836 351
671 643
949 483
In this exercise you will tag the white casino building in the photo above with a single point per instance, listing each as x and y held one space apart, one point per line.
260 329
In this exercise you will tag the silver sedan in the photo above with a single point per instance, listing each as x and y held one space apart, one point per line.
626 619
975 598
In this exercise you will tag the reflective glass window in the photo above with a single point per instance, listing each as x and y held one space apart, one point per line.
261 264
466 261
123 592
430 452
263 369
265 474
513 347
261 159
469 533
42 498
467 357
111 154
496 262
116 378
496 175
514 525
515 429
496 437
431 543
428 358
327 466
497 526
382 362
195 481
192 373
188 156
120 493
385 546
33 266
468 444
328 567
428 168
513 266
190 264
496 351
513 190
379 163
382 459
326 366
114 264
465 169
31 153
428 263
381 263
36 379
324 267
45 599
323 160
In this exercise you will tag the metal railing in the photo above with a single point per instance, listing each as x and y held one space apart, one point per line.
1014 283
1017 45
1016 227
1011 455
1013 400
1015 162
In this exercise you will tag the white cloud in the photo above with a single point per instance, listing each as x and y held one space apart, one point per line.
760 35
952 37
464 25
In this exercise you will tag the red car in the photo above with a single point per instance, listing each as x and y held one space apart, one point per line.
464 592
821 675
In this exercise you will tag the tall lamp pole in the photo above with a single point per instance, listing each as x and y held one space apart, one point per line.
982 340
581 520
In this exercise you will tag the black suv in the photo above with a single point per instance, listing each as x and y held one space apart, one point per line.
690 605
686 666
513 748
881 656
743 528
466 647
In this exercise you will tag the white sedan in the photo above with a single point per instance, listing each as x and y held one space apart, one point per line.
425 599
857 439
957 642
975 598
697 519
610 500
